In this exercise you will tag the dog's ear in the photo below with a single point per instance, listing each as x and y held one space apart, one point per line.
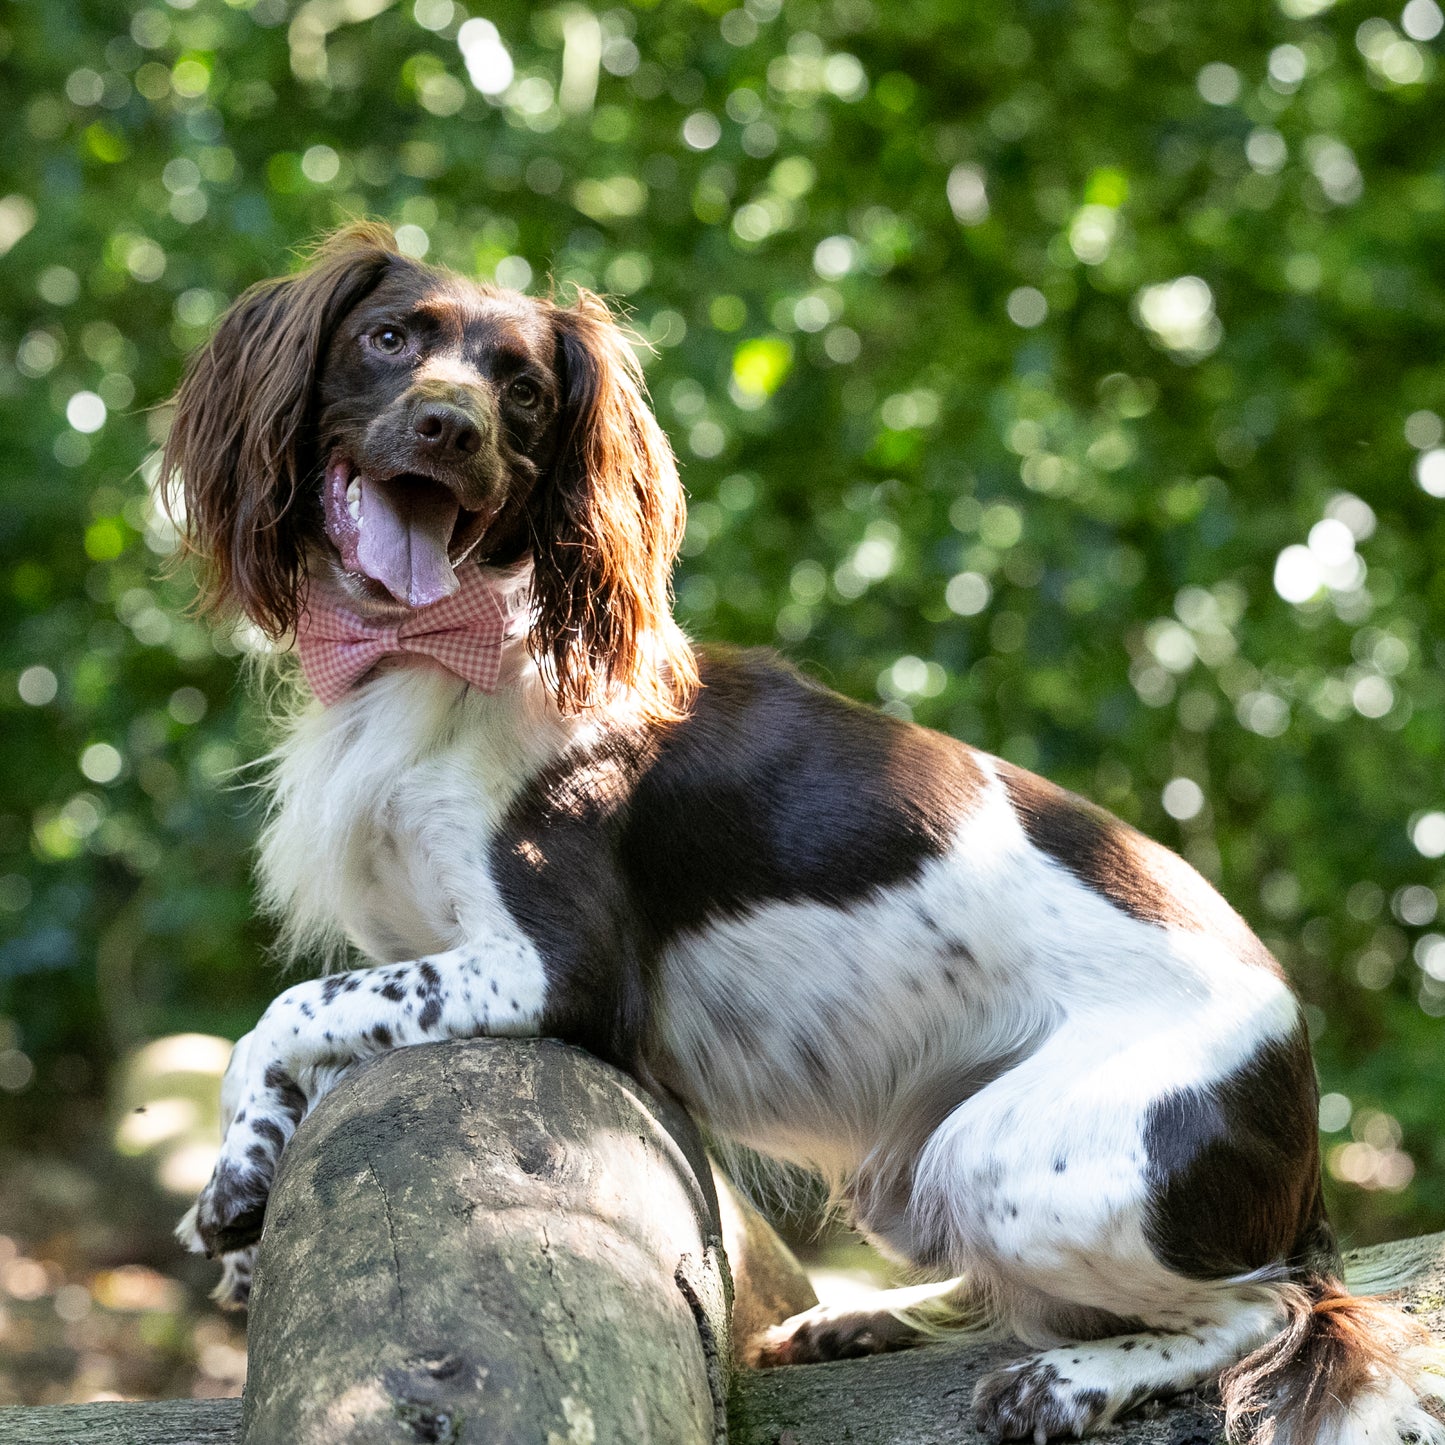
238 453
607 526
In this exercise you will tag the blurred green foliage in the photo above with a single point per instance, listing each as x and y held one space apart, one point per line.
1064 374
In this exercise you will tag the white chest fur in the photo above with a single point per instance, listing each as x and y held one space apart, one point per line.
384 807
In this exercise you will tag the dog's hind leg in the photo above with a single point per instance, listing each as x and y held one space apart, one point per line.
1134 1200
894 1319
1074 1389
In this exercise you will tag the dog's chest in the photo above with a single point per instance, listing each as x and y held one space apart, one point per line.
416 865
385 808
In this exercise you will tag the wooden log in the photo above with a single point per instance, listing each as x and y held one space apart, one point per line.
490 1241
152 1422
769 1285
442 1317
921 1397
924 1396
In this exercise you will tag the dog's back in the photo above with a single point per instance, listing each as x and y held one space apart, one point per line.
1023 1040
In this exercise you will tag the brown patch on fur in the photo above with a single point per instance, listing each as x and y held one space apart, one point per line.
607 531
1333 1348
239 450
1136 874
588 482
1234 1170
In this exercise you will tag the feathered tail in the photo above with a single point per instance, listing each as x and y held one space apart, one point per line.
1344 1370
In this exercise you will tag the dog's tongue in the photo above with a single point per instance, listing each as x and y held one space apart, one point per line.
406 528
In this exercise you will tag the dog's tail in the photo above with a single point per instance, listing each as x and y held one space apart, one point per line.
1344 1370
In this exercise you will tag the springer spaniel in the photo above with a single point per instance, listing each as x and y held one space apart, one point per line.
1030 1047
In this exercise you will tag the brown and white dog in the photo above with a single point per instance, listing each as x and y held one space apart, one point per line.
1029 1046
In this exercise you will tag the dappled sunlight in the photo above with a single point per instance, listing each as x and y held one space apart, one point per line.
80 1319
1070 381
167 1100
72 1332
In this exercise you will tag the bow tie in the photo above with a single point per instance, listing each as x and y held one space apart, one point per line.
463 632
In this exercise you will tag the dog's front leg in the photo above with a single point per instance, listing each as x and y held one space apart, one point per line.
315 1031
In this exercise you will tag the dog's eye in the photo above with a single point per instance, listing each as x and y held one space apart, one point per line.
389 339
525 392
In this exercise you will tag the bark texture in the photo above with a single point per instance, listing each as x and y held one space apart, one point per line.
493 1242
159 1422
924 1396
498 1243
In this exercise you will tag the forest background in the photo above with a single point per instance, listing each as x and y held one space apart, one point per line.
1066 375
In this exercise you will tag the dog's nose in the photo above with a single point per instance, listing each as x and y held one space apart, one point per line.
447 429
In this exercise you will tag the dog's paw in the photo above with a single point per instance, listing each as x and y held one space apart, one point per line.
1032 1400
261 1105
234 1290
828 1332
232 1208
224 1220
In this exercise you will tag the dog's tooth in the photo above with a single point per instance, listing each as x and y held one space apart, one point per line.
353 500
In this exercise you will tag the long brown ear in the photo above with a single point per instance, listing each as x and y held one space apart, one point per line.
238 452
607 527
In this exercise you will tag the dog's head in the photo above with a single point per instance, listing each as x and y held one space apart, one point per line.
371 424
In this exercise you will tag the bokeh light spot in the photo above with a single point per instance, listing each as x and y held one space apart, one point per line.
101 763
1183 798
1218 83
1027 307
85 411
1430 472
37 686
1428 835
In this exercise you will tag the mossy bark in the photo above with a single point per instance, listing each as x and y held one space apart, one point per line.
511 1243
496 1242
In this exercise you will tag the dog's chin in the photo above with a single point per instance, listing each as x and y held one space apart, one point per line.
397 540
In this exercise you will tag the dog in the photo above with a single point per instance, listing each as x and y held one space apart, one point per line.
1028 1046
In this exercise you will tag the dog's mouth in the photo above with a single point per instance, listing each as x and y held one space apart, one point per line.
405 533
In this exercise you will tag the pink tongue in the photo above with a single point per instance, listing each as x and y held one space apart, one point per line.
406 528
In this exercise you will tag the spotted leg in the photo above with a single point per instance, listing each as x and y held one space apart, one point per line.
234 1288
895 1319
1078 1389
314 1032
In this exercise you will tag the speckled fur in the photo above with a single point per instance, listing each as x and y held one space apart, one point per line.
1023 1043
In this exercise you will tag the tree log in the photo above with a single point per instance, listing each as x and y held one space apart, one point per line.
151 1422
924 1396
493 1242
490 1241
769 1285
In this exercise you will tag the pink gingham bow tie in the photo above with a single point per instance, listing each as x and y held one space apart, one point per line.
463 632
